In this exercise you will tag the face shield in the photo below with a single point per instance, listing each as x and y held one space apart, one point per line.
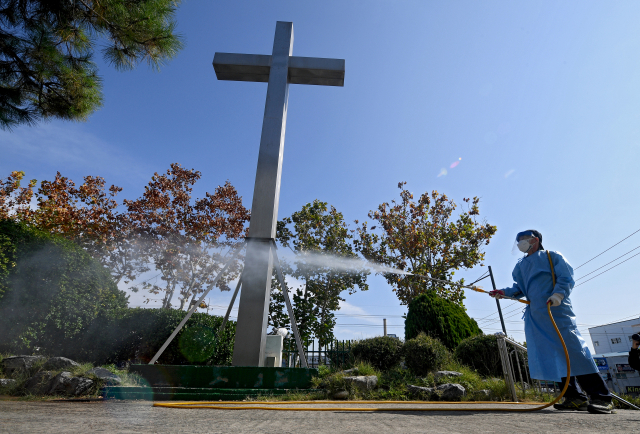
525 241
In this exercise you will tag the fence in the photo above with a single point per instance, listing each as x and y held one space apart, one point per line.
508 352
336 353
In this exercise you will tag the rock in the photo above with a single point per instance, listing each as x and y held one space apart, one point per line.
16 364
4 382
482 395
39 383
447 374
451 392
418 390
57 363
340 394
66 384
351 371
363 382
109 377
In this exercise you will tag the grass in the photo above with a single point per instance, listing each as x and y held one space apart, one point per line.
392 384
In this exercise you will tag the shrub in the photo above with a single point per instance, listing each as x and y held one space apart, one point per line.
424 354
481 353
382 352
428 313
50 290
137 334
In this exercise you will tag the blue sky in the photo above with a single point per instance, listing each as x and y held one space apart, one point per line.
539 100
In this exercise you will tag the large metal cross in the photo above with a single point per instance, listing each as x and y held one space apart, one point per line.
279 70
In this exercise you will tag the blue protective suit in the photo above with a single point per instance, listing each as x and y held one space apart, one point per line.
532 276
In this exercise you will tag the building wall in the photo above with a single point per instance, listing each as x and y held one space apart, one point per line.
616 337
621 378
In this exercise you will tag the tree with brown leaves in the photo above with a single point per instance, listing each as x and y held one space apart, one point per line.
422 237
187 242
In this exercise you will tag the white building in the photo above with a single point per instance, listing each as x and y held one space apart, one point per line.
615 337
612 343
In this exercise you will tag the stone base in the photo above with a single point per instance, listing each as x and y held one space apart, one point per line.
225 377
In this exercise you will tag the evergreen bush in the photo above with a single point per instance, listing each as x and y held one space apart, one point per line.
424 354
50 290
428 313
382 352
481 353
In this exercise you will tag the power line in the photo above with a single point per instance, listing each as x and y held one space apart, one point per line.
607 249
608 263
581 283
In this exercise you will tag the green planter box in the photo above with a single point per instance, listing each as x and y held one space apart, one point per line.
225 377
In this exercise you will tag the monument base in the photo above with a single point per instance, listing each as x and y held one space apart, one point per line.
195 383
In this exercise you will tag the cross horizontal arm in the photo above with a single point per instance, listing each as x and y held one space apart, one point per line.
316 70
242 67
256 67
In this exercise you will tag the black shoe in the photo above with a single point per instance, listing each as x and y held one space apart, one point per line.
601 407
572 404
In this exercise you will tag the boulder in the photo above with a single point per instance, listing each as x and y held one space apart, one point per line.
57 363
420 391
39 383
109 377
16 364
340 394
363 382
482 395
447 374
4 382
451 392
353 371
66 384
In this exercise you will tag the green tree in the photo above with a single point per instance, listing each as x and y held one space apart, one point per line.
321 240
54 290
422 237
46 52
439 318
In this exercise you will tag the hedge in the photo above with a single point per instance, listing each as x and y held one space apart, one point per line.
51 290
424 354
382 352
481 353
430 314
136 334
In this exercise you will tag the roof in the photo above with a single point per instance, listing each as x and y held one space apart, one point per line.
617 322
619 354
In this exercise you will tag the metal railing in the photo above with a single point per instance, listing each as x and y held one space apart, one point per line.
509 350
335 353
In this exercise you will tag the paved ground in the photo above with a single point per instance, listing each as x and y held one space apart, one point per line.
141 417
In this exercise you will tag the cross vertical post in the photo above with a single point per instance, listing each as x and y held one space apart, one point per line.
253 311
279 69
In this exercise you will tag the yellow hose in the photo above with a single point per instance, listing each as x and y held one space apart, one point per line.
268 405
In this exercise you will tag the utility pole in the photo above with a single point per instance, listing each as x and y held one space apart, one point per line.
493 282
384 322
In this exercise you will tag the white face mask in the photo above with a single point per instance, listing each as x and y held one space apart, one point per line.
524 246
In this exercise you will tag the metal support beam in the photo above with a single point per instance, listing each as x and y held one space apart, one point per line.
292 317
231 303
195 306
493 282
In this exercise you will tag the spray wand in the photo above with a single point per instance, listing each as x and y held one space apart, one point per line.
474 288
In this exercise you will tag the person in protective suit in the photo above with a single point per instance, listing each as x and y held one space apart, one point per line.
634 353
533 280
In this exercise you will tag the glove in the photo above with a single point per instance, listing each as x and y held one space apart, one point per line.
496 293
555 299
